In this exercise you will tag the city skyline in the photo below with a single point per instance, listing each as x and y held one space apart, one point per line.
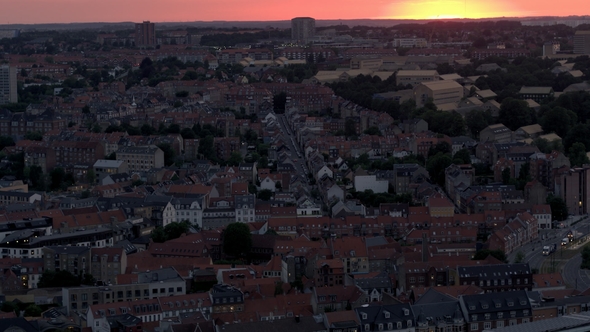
52 11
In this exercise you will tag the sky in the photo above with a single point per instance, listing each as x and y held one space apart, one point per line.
67 11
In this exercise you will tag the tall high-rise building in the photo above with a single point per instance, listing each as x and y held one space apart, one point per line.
8 85
302 28
145 34
582 42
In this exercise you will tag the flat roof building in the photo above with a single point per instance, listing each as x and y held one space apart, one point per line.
440 92
8 85
582 42
302 28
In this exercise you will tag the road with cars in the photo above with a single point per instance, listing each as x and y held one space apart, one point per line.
565 259
296 153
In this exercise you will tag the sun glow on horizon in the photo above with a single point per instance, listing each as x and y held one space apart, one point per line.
450 9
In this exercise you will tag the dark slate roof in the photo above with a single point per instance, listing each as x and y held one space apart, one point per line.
382 280
433 296
491 272
307 324
17 324
440 312
126 245
375 315
476 306
74 250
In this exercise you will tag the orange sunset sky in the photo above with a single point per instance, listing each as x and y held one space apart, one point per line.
63 11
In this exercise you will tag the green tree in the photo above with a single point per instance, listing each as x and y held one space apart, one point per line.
547 147
350 127
436 166
37 178
558 120
237 240
235 159
462 156
519 257
91 176
559 210
442 147
484 253
175 229
506 176
578 133
8 306
57 176
271 232
206 148
373 131
265 194
6 141
577 154
476 121
515 113
62 278
86 109
33 136
88 280
158 235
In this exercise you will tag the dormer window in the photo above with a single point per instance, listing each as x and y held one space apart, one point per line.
387 315
364 315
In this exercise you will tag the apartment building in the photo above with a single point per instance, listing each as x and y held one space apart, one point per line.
107 263
73 259
498 277
145 34
496 310
141 158
302 28
582 42
103 168
70 152
232 56
245 208
225 146
573 186
142 286
8 85
225 298
18 124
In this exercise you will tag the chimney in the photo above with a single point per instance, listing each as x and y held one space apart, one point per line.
424 248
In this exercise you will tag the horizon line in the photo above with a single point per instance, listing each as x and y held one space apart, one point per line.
317 19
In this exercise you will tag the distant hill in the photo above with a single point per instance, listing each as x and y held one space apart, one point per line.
259 24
